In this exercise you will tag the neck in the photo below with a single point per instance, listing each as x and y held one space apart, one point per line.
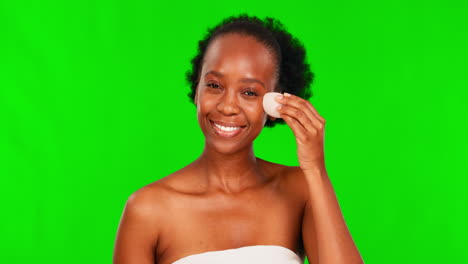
229 173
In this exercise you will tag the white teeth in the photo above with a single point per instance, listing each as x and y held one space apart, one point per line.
226 128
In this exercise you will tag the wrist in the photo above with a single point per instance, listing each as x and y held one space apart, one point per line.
315 172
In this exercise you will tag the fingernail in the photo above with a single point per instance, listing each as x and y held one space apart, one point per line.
279 97
286 94
279 107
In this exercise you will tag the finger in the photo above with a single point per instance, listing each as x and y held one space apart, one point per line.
298 102
309 105
299 115
301 104
298 130
312 108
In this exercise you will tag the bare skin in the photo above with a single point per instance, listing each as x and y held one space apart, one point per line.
198 219
227 198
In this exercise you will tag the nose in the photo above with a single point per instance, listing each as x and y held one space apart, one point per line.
228 104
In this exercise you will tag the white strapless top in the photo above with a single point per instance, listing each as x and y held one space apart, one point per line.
256 254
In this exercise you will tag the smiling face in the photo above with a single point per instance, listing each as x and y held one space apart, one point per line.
237 71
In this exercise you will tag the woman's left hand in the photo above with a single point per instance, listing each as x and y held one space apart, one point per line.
308 127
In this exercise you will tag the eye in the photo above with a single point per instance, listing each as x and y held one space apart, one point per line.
213 85
250 93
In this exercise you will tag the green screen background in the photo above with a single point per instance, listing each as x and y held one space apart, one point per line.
93 106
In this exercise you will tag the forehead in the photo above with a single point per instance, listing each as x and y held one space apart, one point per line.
244 55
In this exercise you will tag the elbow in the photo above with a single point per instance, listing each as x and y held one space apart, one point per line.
359 260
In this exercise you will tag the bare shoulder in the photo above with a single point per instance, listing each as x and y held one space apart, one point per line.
295 182
292 178
145 207
298 179
139 228
145 200
151 200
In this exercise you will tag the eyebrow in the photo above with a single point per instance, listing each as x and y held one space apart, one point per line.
243 80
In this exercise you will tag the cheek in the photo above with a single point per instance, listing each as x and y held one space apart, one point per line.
205 102
256 112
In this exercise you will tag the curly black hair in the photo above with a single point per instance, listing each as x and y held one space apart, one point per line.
295 76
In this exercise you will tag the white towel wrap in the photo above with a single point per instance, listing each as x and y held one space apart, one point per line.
256 254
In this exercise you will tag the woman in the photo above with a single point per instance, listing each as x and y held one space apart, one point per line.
229 206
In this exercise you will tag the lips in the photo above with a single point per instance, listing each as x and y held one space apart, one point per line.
223 133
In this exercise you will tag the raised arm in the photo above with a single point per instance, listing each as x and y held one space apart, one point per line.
326 237
137 235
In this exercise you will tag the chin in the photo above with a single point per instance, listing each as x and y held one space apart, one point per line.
226 148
